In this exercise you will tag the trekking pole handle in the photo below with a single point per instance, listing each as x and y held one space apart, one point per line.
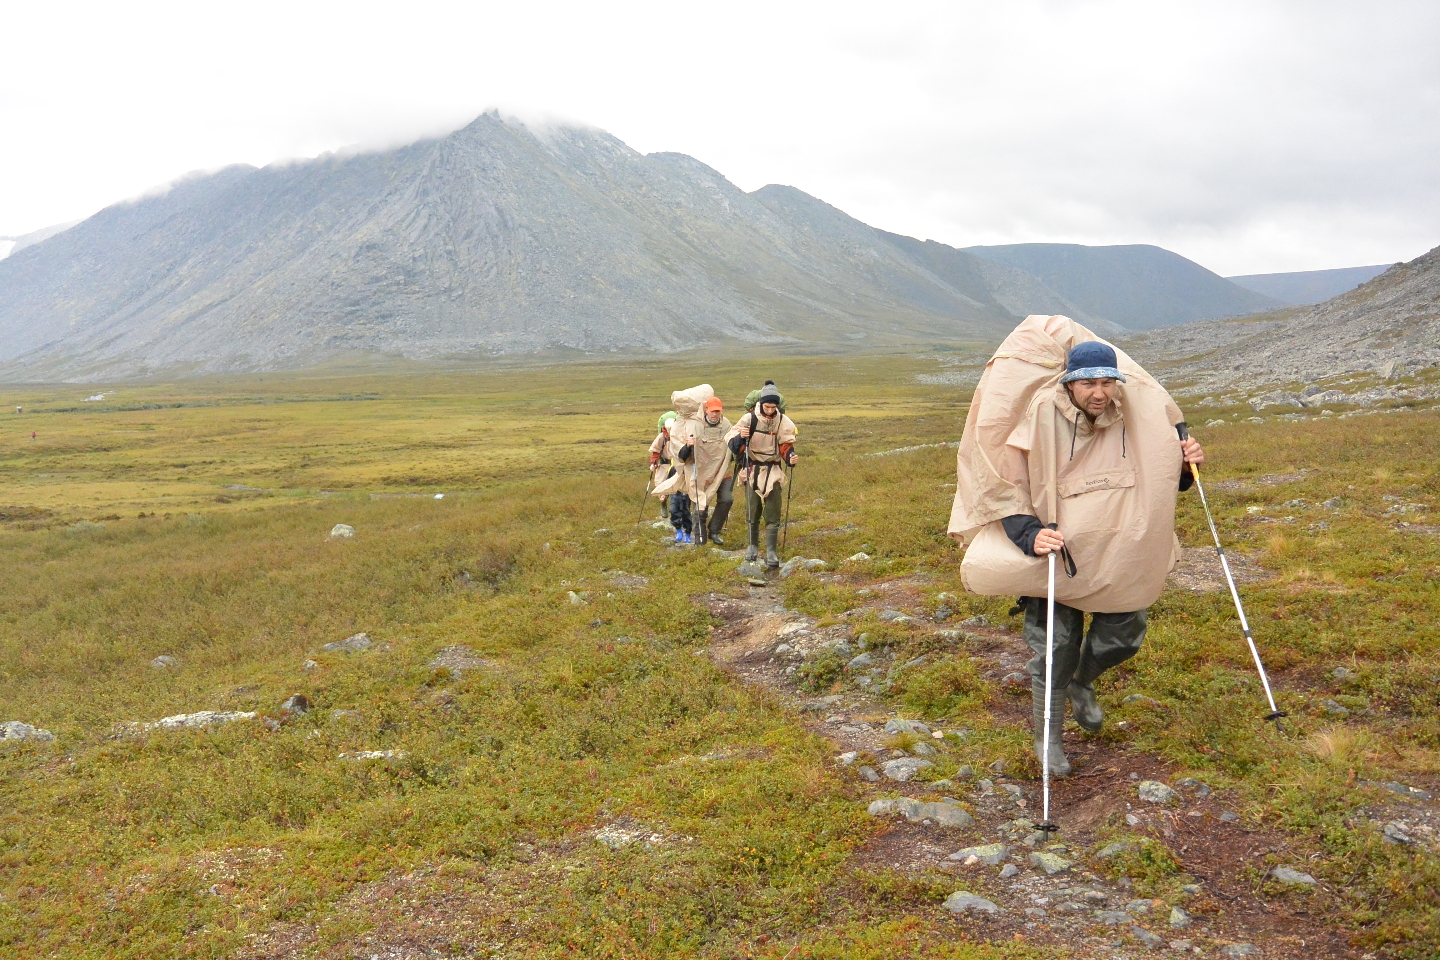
1183 430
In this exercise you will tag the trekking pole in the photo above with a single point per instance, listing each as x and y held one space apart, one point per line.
1275 712
1045 826
789 490
648 484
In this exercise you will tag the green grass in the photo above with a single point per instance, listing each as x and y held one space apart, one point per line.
111 843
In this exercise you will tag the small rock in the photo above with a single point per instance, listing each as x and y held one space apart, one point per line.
1230 817
860 662
1008 871
164 662
1237 950
847 758
1018 680
857 558
15 730
578 599
1334 709
752 569
869 774
1153 791
998 767
1050 863
913 727
1190 889
1112 917
310 665
374 755
1140 700
990 854
942 814
1394 786
1179 919
985 787
298 703
942 613
1181 945
342 531
1139 908
1146 937
965 772
1394 833
1343 674
1132 820
922 749
1287 875
203 718
784 648
1014 789
352 643
961 902
1034 911
1191 785
1114 849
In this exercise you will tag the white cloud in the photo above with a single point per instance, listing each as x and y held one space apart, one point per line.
1250 136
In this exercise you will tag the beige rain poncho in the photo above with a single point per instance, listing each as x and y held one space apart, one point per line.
767 436
664 445
1109 486
708 462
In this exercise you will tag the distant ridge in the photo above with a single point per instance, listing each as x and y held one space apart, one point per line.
503 239
1136 285
1309 286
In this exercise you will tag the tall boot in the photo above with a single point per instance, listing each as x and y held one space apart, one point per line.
753 551
772 534
1081 694
1059 765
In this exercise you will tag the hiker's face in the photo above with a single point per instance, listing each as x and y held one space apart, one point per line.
768 410
1093 396
712 417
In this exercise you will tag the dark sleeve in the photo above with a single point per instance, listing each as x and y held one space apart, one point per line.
686 452
1021 528
1187 479
737 443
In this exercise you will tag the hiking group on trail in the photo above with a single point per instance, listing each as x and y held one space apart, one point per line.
698 457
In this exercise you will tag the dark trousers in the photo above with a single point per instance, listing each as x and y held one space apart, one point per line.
720 511
680 511
1113 639
768 508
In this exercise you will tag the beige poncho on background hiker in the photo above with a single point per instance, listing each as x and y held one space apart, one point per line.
767 436
691 424
1113 499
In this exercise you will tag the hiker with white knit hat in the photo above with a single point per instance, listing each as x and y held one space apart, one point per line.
1071 448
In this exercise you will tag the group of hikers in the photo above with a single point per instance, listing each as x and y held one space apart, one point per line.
698 457
1070 451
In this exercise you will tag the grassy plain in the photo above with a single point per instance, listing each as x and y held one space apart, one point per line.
191 520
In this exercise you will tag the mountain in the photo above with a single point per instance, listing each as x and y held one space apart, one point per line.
503 239
1308 286
1136 285
1388 326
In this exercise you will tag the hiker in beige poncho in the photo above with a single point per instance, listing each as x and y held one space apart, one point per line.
763 441
663 451
704 458
1070 447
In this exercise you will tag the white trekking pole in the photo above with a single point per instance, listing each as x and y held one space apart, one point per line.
1275 712
1045 825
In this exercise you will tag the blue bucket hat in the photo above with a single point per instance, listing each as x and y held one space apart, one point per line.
1091 360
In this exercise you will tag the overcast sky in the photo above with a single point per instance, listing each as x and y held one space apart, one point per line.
1252 136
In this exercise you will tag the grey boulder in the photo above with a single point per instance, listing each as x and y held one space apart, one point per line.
961 902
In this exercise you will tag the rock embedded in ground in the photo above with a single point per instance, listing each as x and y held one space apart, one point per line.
1140 700
857 558
351 644
342 531
1334 709
1229 817
1153 791
1237 951
1394 786
1292 876
922 749
459 659
990 854
1179 919
1394 833
298 703
912 727
752 569
310 665
1008 871
202 718
1199 788
1112 918
941 814
164 662
374 755
962 902
1146 937
847 758
1139 908
1051 863
17 730
869 774
1114 849
860 662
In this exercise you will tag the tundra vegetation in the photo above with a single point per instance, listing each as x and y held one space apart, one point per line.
449 802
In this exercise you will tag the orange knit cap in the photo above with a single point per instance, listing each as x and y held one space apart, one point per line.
714 404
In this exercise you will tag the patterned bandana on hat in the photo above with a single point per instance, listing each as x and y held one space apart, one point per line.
1091 360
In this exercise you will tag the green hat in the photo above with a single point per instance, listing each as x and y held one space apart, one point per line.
665 418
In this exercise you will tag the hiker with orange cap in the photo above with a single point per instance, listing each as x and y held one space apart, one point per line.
705 459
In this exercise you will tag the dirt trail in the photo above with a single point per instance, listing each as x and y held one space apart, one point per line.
1078 908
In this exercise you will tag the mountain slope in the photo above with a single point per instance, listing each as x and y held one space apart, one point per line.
1386 325
1308 286
1137 285
497 239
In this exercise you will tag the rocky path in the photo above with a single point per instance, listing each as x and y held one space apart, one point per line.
978 825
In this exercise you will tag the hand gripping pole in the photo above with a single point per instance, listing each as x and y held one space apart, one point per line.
1275 712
